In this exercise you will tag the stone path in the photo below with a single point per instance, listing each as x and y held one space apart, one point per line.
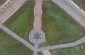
71 11
14 35
37 28
38 24
7 12
77 16
72 44
76 7
38 15
37 36
36 49
10 10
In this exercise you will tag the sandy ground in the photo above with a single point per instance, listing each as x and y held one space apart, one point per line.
10 10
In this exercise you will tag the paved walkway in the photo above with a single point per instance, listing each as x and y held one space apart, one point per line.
80 41
38 15
38 23
14 35
9 10
77 16
71 11
36 49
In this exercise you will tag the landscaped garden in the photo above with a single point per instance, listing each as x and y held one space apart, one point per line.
40 53
58 26
10 46
21 22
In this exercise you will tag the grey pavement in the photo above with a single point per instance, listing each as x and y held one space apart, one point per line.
71 11
72 44
37 36
14 35
36 49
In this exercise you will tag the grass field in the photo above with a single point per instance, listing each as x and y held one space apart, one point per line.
78 50
58 26
21 22
40 53
10 46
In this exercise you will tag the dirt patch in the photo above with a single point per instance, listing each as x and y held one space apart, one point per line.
2 2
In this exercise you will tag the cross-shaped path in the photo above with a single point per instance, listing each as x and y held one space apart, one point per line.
38 26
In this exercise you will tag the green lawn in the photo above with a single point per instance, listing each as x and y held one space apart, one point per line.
78 50
40 53
10 46
21 22
58 26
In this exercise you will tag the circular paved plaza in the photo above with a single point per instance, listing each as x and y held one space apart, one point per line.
37 36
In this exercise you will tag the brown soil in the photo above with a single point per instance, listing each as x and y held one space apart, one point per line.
43 17
2 1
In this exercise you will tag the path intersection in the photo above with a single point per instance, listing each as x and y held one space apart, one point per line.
37 35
